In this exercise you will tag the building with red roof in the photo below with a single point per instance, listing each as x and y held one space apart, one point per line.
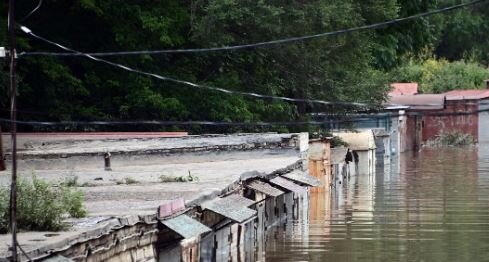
466 111
424 117
399 89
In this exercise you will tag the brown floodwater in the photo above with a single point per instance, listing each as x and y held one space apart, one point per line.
431 205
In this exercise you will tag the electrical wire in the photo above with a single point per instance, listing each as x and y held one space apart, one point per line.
263 44
32 12
328 119
188 83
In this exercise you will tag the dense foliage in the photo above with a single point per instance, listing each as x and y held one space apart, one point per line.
40 206
353 67
440 75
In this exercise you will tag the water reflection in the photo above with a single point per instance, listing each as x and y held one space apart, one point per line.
431 206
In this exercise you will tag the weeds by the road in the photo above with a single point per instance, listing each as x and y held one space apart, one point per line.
70 181
189 178
40 206
130 180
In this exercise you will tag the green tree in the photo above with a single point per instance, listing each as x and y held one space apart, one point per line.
440 75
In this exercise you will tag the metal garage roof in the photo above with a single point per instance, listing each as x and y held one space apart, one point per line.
289 185
234 207
186 227
265 188
303 177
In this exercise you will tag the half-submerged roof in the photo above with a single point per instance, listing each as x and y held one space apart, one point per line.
470 94
233 207
289 185
303 178
418 102
185 226
363 140
265 188
404 89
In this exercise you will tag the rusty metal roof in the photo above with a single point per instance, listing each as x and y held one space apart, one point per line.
234 207
303 177
289 185
417 102
185 226
404 89
265 188
363 140
472 94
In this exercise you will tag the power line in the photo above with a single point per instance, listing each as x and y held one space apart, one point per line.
267 43
32 12
188 83
338 118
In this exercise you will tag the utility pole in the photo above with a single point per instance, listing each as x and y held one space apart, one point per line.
13 124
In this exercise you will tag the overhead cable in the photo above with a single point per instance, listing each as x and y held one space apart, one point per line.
188 83
32 12
266 43
328 119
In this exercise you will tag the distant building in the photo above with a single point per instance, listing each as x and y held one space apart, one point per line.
466 111
424 117
411 119
407 124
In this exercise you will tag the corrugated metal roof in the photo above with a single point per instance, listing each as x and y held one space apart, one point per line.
418 102
234 208
265 188
363 140
303 177
472 94
289 185
404 89
239 200
186 227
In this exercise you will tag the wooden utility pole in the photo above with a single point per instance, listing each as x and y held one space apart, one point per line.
13 124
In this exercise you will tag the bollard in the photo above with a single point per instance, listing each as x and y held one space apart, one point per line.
107 161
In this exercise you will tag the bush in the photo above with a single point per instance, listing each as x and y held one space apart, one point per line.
454 139
439 75
130 181
182 179
41 206
4 204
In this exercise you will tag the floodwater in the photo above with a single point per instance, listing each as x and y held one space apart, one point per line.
429 206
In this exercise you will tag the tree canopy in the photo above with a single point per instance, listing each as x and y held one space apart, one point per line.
353 67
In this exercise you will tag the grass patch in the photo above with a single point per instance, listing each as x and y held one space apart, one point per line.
88 184
130 180
40 206
181 179
70 181
452 139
